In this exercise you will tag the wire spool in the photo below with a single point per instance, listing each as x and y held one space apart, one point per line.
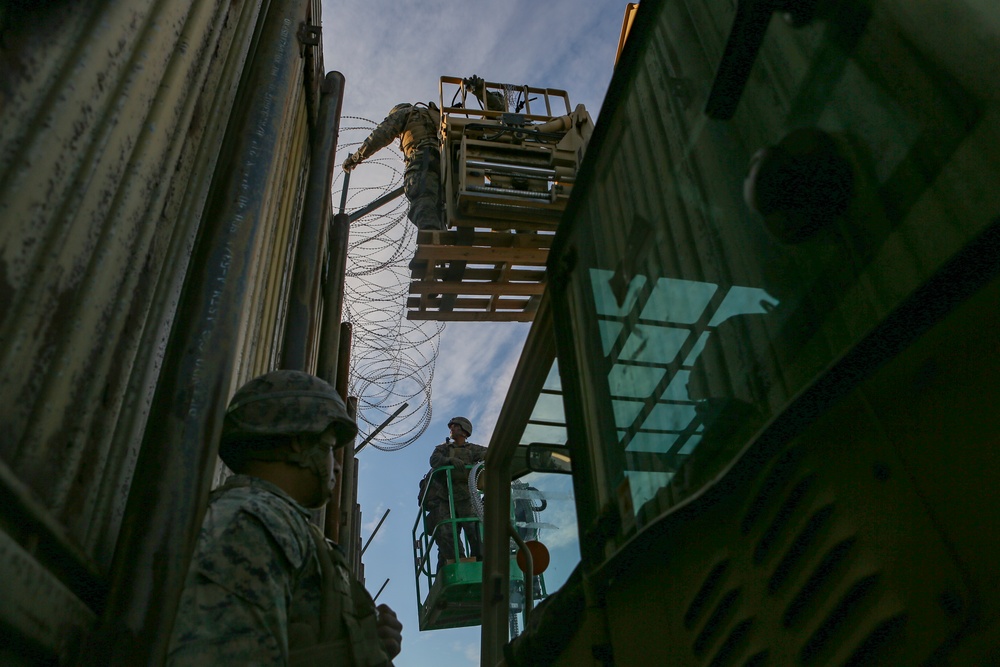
477 500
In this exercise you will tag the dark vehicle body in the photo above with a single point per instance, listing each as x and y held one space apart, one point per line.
772 301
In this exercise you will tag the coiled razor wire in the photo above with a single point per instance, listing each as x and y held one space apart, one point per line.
477 500
392 358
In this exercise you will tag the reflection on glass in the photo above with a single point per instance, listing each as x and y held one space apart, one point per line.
547 422
634 381
651 357
548 408
834 189
654 443
542 433
552 522
549 458
681 301
605 299
654 344
552 381
544 509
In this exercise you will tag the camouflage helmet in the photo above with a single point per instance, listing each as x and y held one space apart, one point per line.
283 403
463 424
400 107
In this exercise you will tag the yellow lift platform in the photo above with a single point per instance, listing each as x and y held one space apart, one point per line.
508 174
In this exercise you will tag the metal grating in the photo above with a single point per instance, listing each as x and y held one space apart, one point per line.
819 578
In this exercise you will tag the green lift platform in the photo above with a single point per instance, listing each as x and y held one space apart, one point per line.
451 597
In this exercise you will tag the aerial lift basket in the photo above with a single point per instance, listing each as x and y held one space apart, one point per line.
508 174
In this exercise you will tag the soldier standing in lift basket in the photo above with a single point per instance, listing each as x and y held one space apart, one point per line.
458 452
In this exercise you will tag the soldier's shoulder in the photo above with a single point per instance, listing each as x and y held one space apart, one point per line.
401 110
249 518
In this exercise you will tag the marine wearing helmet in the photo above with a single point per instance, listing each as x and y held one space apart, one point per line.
264 585
270 412
462 423
456 451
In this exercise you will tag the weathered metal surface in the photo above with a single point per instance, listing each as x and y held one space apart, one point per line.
38 606
178 455
97 153
28 522
151 188
334 356
159 287
665 197
265 306
348 485
333 299
529 377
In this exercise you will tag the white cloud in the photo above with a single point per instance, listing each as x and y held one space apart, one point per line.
475 366
469 651
563 44
369 525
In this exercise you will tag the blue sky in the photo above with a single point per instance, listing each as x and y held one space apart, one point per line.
392 51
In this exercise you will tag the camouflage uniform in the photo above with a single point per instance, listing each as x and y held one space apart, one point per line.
264 588
417 129
492 100
453 454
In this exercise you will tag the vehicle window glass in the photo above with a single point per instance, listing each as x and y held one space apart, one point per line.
720 266
544 510
544 504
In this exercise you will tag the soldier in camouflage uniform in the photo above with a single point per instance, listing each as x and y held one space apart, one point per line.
264 586
488 99
455 451
417 127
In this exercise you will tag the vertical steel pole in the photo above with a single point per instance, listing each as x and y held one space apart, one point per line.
529 377
348 493
345 455
359 570
333 301
305 299
328 364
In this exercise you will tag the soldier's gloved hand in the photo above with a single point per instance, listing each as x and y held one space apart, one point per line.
473 82
390 630
351 162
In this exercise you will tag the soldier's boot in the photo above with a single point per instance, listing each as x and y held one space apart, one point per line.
425 214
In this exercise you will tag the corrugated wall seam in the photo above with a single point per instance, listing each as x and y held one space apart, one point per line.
177 457
294 208
284 204
184 209
171 109
78 177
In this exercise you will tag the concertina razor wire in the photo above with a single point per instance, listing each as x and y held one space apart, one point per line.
392 358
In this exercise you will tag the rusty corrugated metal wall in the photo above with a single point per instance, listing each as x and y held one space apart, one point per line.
150 184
